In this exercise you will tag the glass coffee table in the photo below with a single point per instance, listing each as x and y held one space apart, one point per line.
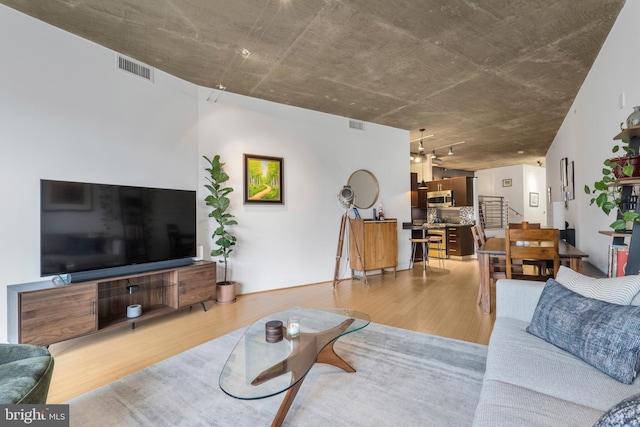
257 369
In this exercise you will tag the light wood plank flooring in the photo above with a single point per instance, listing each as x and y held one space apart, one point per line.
440 302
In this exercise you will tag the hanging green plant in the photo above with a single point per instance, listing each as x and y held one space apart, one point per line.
606 192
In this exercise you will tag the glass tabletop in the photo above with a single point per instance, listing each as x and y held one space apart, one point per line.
288 360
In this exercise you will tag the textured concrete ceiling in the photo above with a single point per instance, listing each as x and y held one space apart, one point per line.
498 74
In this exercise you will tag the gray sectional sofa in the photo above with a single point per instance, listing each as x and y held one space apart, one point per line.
530 382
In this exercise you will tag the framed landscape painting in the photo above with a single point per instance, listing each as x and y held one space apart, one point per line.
263 179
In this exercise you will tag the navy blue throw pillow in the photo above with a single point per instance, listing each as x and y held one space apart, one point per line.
623 414
605 335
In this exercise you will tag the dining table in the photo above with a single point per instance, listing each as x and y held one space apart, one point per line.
495 247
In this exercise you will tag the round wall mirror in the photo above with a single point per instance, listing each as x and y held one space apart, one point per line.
365 187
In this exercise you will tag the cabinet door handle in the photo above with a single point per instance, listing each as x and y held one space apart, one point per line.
93 307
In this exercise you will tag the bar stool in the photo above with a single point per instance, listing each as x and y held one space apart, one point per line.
438 240
425 256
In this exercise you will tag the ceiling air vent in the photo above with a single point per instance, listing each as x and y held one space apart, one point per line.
354 124
134 67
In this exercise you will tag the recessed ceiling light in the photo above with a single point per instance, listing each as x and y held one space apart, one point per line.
520 152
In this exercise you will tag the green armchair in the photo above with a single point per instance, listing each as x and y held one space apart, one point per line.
25 373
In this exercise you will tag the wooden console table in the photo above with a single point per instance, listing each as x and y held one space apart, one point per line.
42 313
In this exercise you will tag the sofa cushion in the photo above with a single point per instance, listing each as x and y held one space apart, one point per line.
616 290
522 359
623 414
605 335
508 405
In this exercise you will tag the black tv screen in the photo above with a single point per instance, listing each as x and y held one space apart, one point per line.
86 227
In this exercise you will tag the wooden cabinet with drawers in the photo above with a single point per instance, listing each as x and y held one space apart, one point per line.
459 241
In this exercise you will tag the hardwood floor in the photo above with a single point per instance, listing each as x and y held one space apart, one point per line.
440 302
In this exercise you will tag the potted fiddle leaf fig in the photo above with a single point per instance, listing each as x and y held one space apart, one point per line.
607 192
219 203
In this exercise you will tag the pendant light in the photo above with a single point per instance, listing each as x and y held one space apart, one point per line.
423 185
450 153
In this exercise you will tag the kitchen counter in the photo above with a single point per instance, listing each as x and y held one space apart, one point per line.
428 225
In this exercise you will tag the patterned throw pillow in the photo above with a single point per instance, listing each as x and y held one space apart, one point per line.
607 336
617 290
623 414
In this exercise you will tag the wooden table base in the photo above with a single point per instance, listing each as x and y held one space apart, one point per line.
317 347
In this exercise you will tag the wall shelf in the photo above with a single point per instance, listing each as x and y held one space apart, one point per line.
627 184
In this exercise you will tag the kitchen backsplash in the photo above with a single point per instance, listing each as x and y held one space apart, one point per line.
462 215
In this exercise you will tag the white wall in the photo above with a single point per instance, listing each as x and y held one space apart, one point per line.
419 168
586 135
295 243
66 113
525 179
534 181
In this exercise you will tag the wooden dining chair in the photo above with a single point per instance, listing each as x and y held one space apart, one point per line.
478 239
497 265
539 247
481 232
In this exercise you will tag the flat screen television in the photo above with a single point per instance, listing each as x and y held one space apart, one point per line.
92 231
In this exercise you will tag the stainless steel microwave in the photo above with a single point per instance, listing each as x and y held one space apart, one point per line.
440 199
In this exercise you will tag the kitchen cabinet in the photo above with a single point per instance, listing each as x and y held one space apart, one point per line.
459 241
414 190
439 185
418 197
462 188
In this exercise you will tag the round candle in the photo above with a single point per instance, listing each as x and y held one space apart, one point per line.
293 327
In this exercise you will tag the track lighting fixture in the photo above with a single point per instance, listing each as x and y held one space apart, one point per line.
433 155
450 153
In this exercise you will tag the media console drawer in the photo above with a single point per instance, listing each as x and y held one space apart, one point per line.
57 314
194 284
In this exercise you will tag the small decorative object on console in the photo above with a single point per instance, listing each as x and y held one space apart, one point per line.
273 331
293 327
134 310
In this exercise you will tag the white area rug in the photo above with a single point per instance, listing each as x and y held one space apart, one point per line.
403 378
